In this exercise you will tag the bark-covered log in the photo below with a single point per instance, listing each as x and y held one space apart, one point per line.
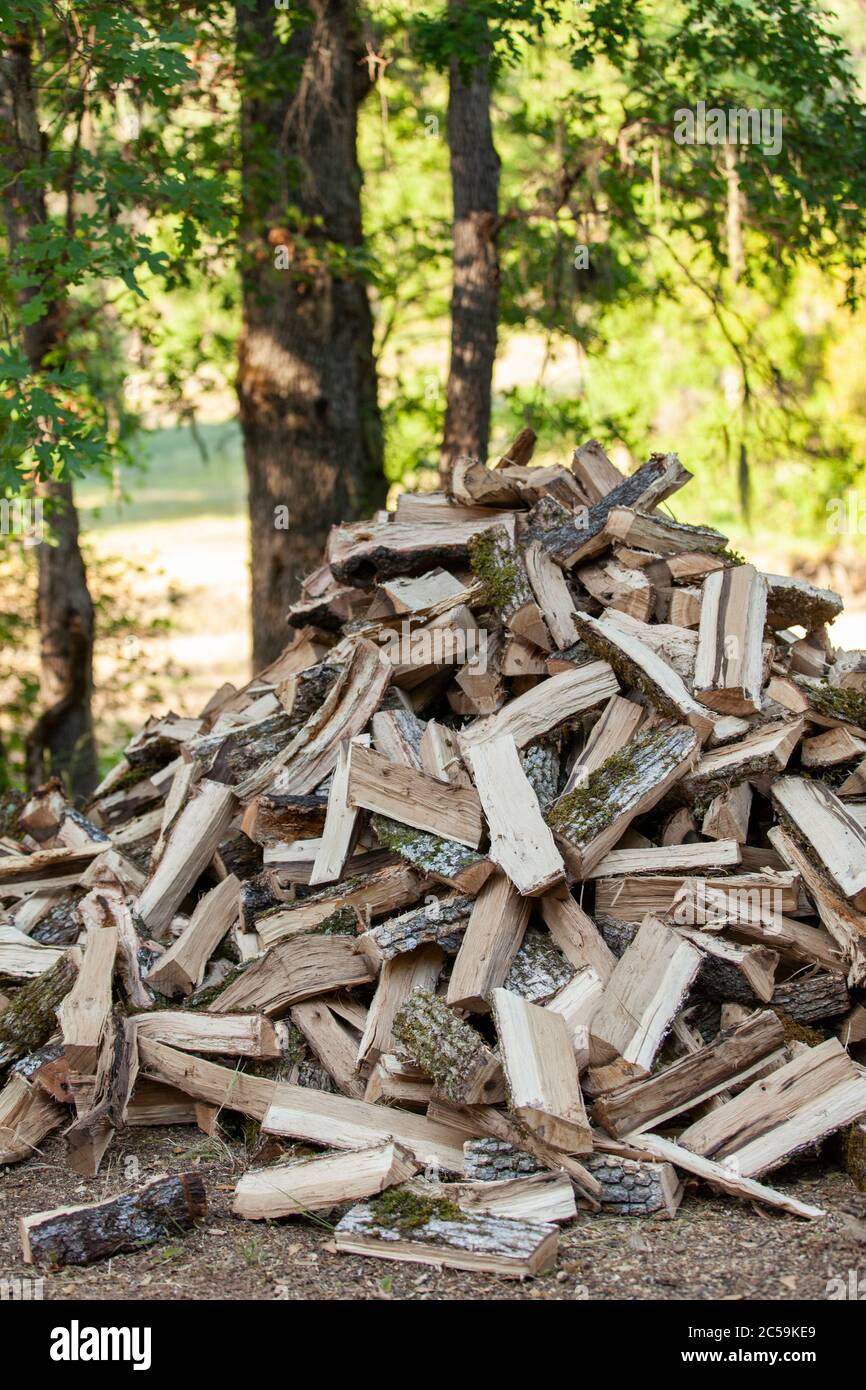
29 1018
630 1187
447 861
493 1160
451 1052
80 1235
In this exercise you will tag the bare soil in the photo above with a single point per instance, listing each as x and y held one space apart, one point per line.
716 1248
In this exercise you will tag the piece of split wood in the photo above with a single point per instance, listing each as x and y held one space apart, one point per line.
520 841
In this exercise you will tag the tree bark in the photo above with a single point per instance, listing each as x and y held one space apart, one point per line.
306 374
61 741
475 291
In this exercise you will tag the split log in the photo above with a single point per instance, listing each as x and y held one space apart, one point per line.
408 544
619 720
618 587
84 1011
317 1184
730 1058
636 529
693 901
347 708
777 1116
540 1072
293 971
399 978
342 821
831 749
341 1123
588 821
499 563
820 820
27 1114
630 1187
418 595
180 969
375 894
725 1179
727 816
401 1226
642 997
521 843
492 938
413 797
844 923
576 935
192 842
546 1197
446 861
440 754
667 859
568 539
450 1051
794 601
228 1035
553 597
765 752
440 922
578 1003
29 1018
332 1043
21 958
223 1087
637 664
594 470
80 1235
91 1133
546 706
729 665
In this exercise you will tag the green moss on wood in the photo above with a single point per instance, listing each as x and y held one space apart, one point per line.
834 703
405 1211
498 568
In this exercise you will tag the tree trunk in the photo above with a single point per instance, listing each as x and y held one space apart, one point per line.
306 374
475 292
63 733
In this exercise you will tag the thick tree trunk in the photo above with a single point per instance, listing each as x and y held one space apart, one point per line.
475 293
61 740
306 375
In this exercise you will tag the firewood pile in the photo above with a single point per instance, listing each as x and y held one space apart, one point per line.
530 876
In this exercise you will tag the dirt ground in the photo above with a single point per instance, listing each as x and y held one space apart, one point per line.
716 1248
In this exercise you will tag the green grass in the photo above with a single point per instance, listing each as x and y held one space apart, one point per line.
170 479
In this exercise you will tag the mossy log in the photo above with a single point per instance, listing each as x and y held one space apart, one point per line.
451 1052
854 1153
29 1018
588 821
498 562
400 1225
80 1235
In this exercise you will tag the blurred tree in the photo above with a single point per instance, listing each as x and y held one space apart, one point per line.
306 375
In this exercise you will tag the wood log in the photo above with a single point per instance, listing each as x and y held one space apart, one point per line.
342 1123
576 935
618 587
667 859
409 543
491 940
820 820
816 1093
637 664
727 816
223 1087
317 1184
401 1226
546 706
375 894
342 820
724 1178
631 1187
594 470
192 842
729 665
844 923
415 595
450 1051
446 861
794 601
332 1043
540 1072
642 997
84 1011
399 978
21 958
413 797
588 821
292 971
547 1197
733 1056
520 841
567 539
439 922
619 720
693 901
312 754
180 969
440 754
636 529
228 1035
27 1114
129 1221
29 1018
89 1136
498 561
